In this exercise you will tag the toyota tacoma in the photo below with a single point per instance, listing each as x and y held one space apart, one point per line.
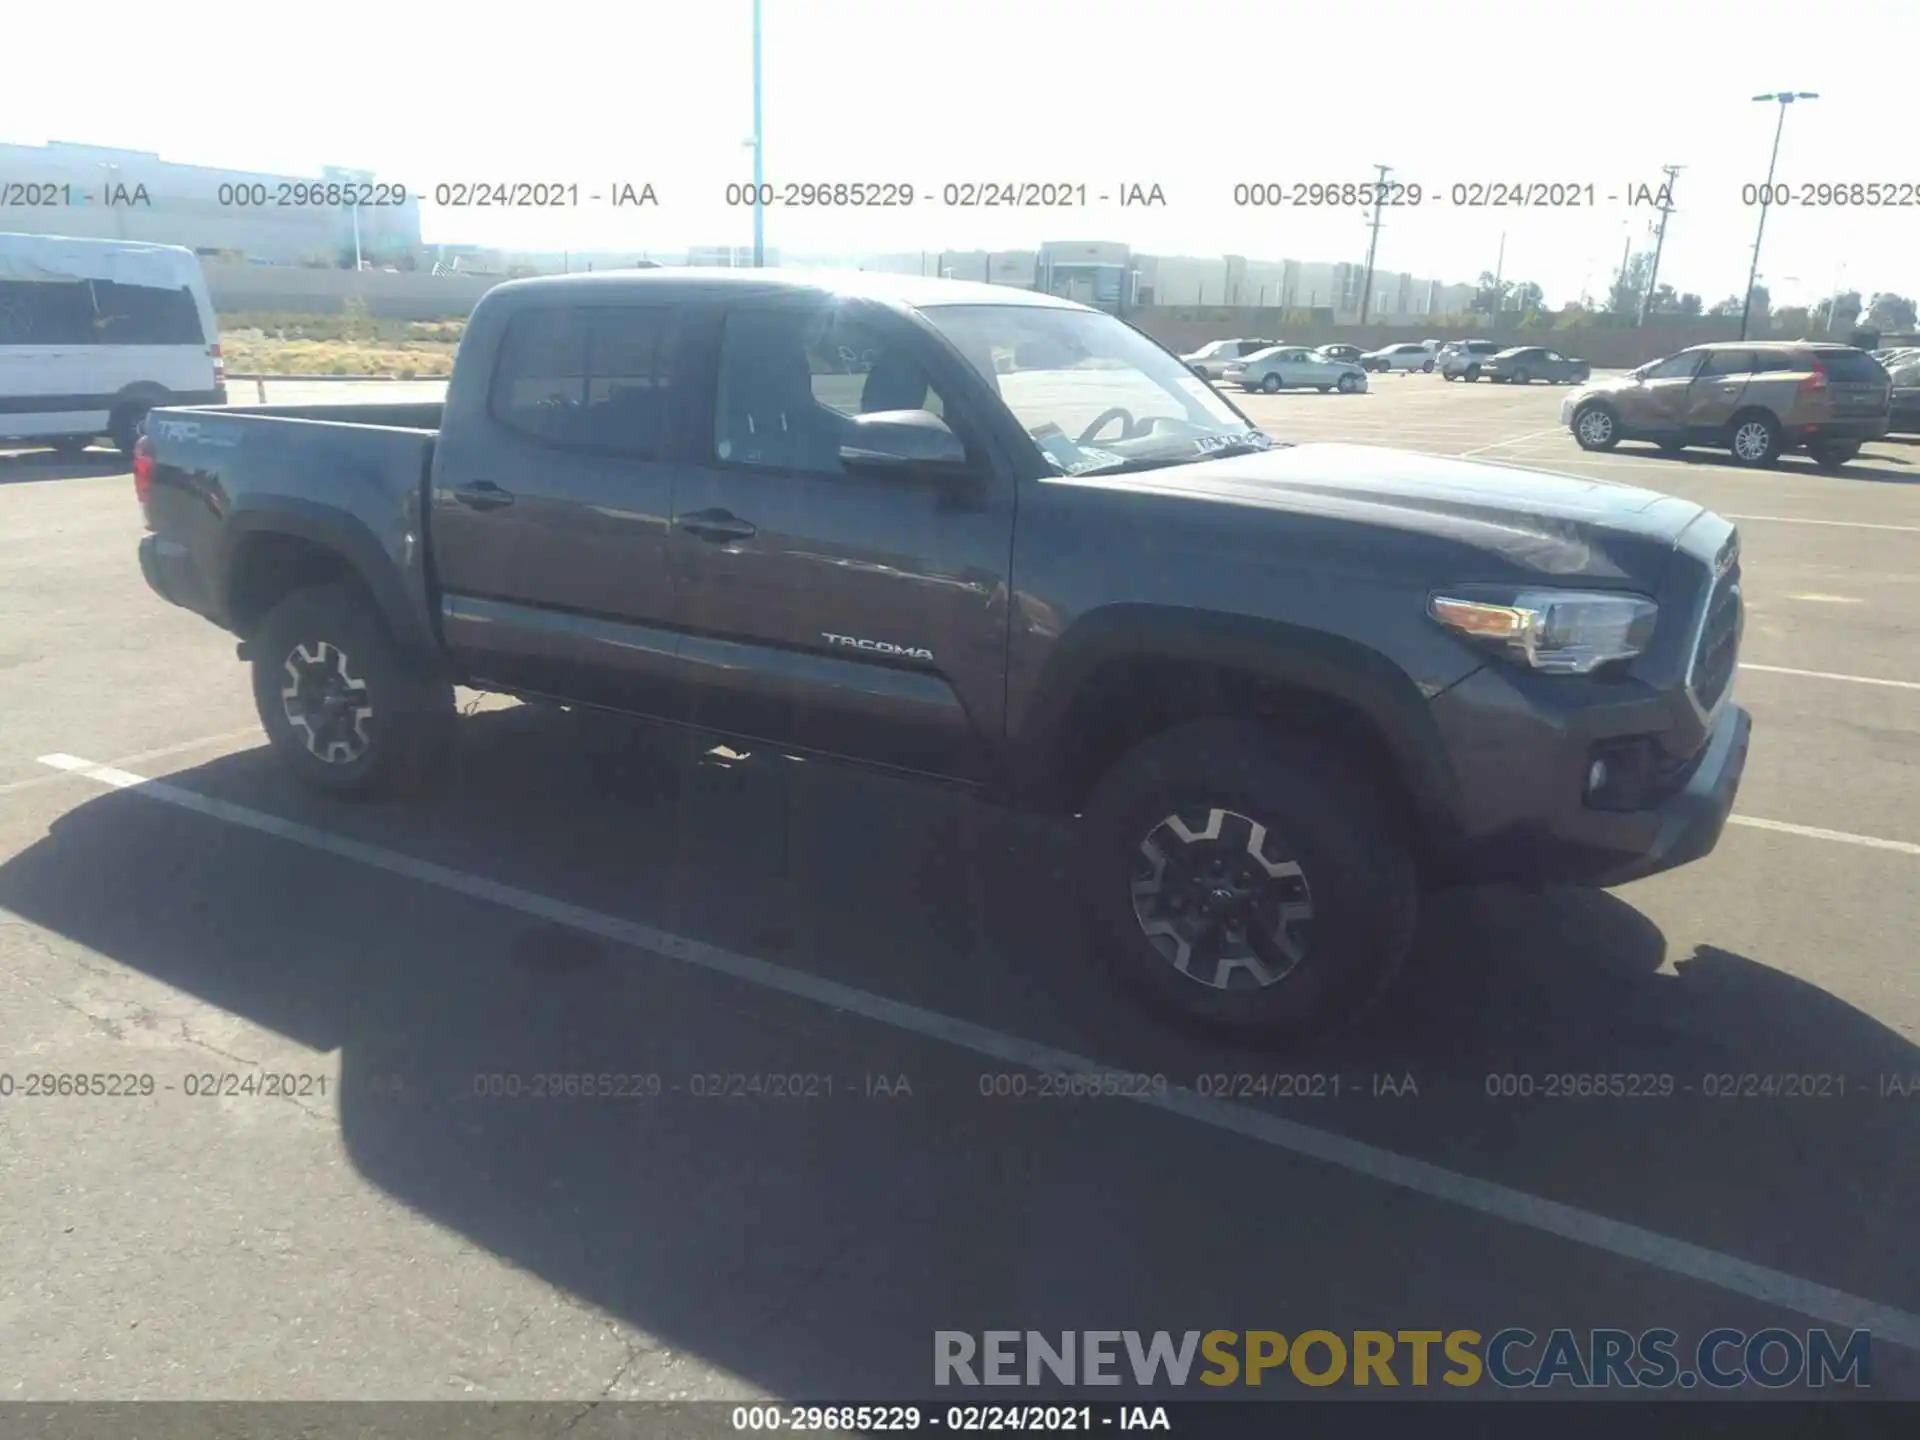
996 538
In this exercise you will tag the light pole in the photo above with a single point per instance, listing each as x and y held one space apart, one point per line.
759 155
1782 98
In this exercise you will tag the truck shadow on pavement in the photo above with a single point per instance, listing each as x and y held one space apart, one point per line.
23 467
810 1247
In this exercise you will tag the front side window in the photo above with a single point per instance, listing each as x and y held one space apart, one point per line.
46 312
1093 392
1677 367
792 377
588 379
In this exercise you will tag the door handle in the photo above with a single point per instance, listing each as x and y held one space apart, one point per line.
483 495
718 526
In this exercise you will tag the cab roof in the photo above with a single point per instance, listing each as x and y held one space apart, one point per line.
913 292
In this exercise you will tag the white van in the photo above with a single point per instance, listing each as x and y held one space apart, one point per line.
94 333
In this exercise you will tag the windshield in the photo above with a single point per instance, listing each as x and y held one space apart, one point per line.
1094 393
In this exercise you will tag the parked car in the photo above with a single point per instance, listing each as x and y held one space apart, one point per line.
1286 366
1465 357
1523 364
1398 357
1903 411
94 333
1756 399
1272 690
1349 353
1210 361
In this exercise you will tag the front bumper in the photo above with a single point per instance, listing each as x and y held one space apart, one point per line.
1522 765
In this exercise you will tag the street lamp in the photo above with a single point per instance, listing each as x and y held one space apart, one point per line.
1782 98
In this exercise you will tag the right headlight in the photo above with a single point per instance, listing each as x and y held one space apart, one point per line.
1561 632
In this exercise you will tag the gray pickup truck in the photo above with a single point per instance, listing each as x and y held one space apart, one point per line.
995 538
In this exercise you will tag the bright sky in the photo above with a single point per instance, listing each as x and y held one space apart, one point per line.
1194 97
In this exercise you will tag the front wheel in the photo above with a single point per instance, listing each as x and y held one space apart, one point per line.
1596 427
1348 384
343 708
1520 377
1269 384
1427 369
1247 880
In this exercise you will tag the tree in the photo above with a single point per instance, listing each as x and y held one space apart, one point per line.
1689 304
1527 296
1728 306
1732 304
1489 294
1623 295
1890 312
1794 320
1837 312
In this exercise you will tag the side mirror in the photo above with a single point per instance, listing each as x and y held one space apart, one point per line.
906 440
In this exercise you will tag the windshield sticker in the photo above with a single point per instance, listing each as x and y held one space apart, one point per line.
1207 444
1093 460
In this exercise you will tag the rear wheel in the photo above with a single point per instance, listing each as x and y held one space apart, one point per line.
1473 373
1832 454
1596 427
72 446
340 704
1754 439
1427 369
1521 377
123 428
1247 880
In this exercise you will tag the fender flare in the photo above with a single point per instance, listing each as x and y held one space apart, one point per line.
343 534
1362 679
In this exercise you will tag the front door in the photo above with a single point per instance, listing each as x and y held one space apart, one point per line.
1657 405
833 608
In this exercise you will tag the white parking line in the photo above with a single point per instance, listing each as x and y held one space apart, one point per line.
1814 832
162 753
1516 440
1802 520
1830 675
1679 1257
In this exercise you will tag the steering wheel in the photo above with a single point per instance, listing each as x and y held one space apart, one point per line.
1128 425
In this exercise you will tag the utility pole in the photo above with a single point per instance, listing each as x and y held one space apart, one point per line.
1782 98
1373 241
1659 239
1626 257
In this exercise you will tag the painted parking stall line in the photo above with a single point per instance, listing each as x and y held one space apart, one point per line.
1663 1252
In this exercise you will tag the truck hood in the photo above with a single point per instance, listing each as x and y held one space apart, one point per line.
1537 521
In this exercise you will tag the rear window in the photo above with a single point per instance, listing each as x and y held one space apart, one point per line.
589 379
1852 367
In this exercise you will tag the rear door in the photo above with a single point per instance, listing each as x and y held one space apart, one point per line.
551 504
833 609
49 383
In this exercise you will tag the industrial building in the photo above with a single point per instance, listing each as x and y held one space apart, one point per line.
108 193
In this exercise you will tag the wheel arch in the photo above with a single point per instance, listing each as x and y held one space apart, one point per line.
1125 673
271 551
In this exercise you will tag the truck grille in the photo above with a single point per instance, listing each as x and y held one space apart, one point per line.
1718 651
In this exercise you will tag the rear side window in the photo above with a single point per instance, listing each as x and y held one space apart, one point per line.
588 379
144 315
41 312
1853 367
1775 362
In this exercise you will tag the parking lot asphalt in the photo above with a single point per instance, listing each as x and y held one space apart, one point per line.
589 898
